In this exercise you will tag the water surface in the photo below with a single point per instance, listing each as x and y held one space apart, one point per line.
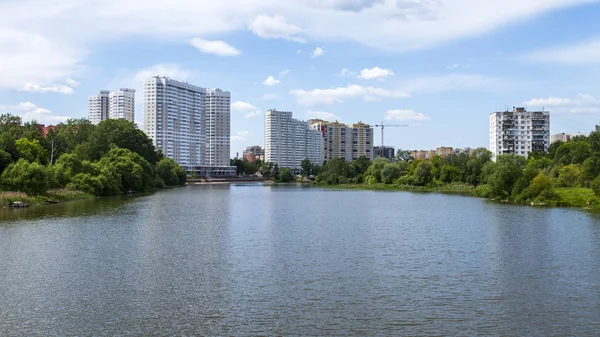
268 260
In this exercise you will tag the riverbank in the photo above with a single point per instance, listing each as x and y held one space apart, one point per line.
58 195
565 197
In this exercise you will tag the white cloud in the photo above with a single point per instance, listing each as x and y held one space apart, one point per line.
405 116
27 58
270 81
580 53
581 104
454 66
71 82
344 5
299 52
246 108
369 74
275 27
170 70
337 95
267 97
459 82
284 72
29 112
328 116
63 89
345 72
317 52
214 47
241 136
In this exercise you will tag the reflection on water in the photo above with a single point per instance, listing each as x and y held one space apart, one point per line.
281 260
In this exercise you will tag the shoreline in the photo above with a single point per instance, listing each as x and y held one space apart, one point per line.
569 197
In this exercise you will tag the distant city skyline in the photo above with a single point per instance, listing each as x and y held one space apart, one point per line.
440 66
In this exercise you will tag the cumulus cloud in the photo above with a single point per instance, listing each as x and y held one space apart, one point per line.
344 5
220 48
373 73
275 27
241 136
270 81
71 82
170 70
580 53
284 72
405 116
324 115
63 89
317 52
249 110
581 104
338 95
31 112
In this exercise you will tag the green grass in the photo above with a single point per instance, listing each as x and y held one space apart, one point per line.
452 188
7 197
578 197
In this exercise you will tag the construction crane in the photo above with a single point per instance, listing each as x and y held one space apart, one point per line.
383 126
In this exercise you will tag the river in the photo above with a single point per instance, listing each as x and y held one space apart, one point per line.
246 260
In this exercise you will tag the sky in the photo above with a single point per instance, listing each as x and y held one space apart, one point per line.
439 66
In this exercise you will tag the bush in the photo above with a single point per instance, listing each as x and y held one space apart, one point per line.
389 173
286 175
596 185
23 176
568 176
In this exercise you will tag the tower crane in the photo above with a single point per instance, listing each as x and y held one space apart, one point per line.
383 126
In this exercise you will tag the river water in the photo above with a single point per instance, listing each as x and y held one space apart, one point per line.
246 260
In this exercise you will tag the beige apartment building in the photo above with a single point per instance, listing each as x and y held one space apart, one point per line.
344 141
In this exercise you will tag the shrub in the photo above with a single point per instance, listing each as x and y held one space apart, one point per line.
596 185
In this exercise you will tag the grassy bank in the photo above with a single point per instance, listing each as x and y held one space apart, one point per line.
55 195
565 197
453 188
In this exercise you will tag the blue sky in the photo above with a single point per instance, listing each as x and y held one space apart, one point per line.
440 66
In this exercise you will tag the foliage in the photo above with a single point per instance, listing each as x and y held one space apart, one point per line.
108 159
390 173
286 175
596 186
569 176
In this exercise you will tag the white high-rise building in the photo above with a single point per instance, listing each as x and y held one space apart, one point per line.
112 105
289 141
519 132
122 104
189 124
99 107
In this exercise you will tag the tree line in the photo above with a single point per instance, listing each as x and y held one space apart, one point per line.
575 164
110 158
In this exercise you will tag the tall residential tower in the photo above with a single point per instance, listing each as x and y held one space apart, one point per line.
112 105
190 124
289 141
519 132
344 141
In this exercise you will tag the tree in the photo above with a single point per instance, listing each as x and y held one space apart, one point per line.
596 186
134 170
376 167
171 173
123 134
361 165
389 173
287 175
31 150
569 176
306 167
502 175
448 173
25 177
5 160
402 155
423 173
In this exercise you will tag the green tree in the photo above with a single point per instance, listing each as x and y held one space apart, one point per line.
306 167
389 173
423 173
25 177
502 175
286 175
122 134
376 167
31 150
474 168
596 186
5 160
136 174
569 176
170 172
448 173
402 155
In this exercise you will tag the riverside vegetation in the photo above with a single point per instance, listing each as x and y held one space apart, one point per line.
79 160
567 175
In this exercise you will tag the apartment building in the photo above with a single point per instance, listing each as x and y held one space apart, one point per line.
99 107
344 141
254 153
519 132
442 152
289 141
122 104
566 137
189 124
389 152
112 105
